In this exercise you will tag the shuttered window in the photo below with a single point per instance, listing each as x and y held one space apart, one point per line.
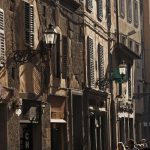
129 88
136 18
100 65
29 24
122 8
129 10
114 5
130 44
89 5
2 39
64 57
90 62
57 57
99 9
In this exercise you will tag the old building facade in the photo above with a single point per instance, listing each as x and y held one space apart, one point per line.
146 81
39 83
68 96
127 31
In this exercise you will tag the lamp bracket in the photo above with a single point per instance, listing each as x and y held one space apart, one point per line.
22 56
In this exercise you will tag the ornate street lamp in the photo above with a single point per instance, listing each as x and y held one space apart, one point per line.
49 39
50 36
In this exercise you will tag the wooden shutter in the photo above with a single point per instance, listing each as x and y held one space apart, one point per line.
136 19
89 5
2 39
122 8
64 57
57 58
129 10
29 24
101 63
114 5
90 62
99 9
129 88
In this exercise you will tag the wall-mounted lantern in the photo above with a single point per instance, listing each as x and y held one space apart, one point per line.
18 107
50 36
123 68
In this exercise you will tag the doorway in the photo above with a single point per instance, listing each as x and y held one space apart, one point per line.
26 137
58 136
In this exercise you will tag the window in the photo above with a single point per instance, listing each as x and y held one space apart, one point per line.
137 49
64 56
99 9
122 8
12 5
57 56
129 10
89 5
130 44
90 62
114 5
129 88
137 62
100 65
129 81
136 19
2 39
29 24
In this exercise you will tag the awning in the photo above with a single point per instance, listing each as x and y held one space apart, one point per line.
124 51
58 121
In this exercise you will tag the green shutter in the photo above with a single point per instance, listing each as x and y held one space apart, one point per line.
116 75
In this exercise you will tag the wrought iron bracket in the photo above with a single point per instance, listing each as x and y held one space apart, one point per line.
22 56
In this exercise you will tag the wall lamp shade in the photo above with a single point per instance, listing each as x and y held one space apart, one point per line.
18 111
122 68
50 35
